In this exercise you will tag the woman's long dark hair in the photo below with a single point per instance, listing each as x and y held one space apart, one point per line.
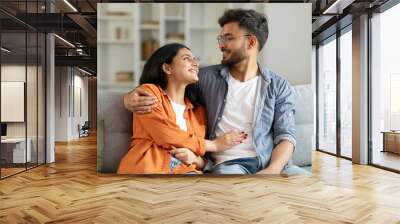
154 74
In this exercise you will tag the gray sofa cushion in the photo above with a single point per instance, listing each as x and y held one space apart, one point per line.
304 117
114 130
304 139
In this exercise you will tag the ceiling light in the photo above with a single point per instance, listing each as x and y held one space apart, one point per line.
5 49
79 51
329 9
338 6
84 71
64 40
70 5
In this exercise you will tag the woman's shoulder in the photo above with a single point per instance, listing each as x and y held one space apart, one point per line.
152 89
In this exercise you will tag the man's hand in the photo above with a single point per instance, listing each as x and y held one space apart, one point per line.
139 101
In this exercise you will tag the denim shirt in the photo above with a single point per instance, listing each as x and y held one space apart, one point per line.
273 119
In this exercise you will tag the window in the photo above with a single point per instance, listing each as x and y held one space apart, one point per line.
22 66
346 94
327 97
385 88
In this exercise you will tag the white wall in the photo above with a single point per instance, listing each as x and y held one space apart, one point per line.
17 73
288 48
13 73
33 126
69 85
80 84
12 101
62 81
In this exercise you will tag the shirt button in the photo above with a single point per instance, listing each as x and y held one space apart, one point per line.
219 118
224 100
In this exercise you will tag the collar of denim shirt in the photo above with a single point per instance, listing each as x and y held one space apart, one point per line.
265 73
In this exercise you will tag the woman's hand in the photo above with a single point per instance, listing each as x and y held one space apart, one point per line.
230 139
226 141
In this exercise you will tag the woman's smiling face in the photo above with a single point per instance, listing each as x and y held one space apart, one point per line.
184 68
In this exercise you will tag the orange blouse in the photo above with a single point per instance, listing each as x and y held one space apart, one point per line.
156 132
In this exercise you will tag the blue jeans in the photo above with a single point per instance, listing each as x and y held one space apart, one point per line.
251 165
174 163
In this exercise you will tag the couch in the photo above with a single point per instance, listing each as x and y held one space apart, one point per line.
114 128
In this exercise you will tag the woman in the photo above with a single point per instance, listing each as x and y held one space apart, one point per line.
170 139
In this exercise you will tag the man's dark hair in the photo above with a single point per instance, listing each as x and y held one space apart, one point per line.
154 74
255 23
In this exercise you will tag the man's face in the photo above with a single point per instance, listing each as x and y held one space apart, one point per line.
232 42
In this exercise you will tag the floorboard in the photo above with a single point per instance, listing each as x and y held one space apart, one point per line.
71 191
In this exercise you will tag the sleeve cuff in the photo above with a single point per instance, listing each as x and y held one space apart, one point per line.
287 137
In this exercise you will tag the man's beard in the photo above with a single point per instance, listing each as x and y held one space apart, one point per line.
235 57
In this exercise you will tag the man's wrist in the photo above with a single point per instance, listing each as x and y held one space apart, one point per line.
275 168
211 145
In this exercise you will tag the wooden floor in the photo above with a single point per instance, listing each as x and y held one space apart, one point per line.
387 159
10 171
70 191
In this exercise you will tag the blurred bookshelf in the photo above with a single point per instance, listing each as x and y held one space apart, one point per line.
129 33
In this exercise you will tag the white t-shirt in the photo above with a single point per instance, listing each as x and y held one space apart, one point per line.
238 114
179 109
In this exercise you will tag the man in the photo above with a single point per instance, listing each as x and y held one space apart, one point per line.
240 94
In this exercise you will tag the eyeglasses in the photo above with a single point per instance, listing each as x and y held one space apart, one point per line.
227 39
191 59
